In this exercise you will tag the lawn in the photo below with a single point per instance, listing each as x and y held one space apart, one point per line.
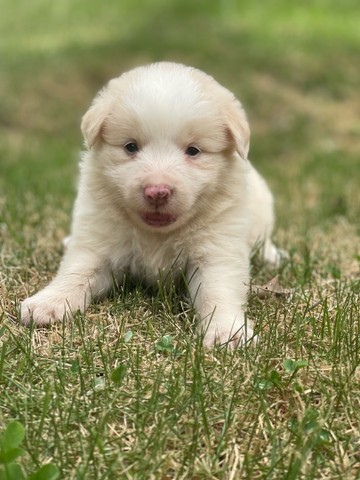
126 391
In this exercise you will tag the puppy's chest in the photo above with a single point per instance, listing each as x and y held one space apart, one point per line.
152 260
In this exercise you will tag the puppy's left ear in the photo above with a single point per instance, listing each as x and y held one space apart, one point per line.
93 121
238 128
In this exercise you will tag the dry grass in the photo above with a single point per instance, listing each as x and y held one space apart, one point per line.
195 413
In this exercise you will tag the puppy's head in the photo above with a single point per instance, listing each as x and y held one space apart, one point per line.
166 138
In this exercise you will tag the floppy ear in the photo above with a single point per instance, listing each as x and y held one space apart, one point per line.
238 128
93 121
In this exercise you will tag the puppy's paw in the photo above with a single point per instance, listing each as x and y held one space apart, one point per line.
274 255
44 308
231 338
66 241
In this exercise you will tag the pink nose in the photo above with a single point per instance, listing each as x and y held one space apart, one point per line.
157 194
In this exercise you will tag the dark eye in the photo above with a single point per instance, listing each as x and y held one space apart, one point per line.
192 151
131 147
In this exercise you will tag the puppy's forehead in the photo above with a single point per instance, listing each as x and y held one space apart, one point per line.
165 94
165 86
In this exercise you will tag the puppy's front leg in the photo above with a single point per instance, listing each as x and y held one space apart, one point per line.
82 276
219 294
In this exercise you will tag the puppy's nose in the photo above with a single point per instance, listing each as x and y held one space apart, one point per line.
157 194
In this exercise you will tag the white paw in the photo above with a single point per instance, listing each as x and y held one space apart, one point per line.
234 337
44 308
66 241
274 255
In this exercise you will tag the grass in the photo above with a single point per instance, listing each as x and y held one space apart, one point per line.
127 391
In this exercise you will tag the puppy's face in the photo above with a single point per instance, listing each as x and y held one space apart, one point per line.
165 138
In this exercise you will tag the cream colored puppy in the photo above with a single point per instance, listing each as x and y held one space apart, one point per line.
165 185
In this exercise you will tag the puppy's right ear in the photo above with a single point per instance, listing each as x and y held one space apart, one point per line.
93 121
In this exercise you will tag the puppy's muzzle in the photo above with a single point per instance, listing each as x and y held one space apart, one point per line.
157 195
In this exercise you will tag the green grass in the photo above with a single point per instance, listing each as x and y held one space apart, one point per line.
127 391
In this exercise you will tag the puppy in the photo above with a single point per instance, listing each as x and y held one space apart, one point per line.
165 186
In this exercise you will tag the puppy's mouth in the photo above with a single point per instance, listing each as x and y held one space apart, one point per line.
158 219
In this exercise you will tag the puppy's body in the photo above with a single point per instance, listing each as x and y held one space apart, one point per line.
165 186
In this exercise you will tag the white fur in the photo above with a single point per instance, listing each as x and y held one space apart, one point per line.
221 204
